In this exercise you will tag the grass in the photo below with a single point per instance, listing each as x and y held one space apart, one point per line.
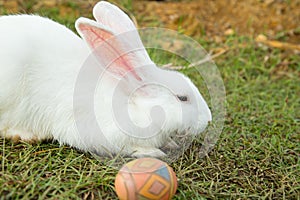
256 157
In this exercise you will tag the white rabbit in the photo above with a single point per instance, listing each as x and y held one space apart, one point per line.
99 93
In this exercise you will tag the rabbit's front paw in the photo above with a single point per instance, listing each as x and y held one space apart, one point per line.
170 145
140 152
17 135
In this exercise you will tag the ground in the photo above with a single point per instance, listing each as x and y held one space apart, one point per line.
256 44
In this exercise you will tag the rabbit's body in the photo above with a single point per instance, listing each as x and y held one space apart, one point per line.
40 62
32 81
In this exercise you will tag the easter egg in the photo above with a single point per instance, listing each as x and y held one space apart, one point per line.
146 178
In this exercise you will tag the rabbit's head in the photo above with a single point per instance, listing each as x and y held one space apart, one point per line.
147 101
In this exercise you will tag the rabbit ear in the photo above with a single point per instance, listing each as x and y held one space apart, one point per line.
113 17
108 48
93 33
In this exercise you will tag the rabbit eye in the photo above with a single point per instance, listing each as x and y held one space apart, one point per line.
182 98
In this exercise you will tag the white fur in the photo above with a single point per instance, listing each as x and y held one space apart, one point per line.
39 65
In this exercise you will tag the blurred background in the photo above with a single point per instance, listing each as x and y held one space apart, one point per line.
211 20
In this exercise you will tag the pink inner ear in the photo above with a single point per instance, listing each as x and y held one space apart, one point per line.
95 36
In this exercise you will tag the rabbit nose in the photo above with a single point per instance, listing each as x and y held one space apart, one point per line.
209 117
